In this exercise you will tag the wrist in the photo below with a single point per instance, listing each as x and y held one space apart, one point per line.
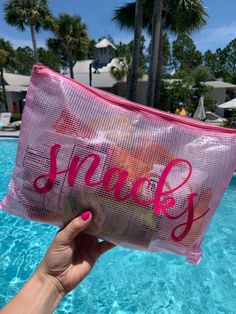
49 283
50 293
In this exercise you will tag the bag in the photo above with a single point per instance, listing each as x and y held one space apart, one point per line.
151 179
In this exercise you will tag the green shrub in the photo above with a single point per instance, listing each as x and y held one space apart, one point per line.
15 117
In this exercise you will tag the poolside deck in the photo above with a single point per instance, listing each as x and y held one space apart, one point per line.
9 134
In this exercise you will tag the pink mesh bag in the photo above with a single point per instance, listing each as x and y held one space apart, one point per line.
152 179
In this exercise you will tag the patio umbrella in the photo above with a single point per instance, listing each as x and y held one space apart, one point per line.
200 111
229 104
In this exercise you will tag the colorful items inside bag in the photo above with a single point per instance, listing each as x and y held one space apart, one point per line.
152 180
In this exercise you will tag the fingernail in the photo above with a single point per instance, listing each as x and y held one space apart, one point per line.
85 215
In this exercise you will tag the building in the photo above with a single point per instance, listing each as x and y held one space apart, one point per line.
97 72
100 77
16 86
220 90
105 52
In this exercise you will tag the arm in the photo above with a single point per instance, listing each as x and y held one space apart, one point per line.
38 295
67 262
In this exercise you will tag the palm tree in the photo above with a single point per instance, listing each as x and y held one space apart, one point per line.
71 39
177 16
6 54
136 50
155 49
34 14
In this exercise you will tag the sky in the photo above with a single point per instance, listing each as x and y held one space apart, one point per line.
97 15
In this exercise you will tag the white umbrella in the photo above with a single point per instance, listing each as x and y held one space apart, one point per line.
229 104
200 111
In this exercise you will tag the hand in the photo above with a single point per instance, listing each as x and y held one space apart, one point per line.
72 255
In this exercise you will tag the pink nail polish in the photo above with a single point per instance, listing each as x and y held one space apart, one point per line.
85 215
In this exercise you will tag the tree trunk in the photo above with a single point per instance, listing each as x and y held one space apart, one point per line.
158 74
136 50
155 48
4 90
33 35
71 65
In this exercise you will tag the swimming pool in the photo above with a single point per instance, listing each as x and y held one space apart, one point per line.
126 281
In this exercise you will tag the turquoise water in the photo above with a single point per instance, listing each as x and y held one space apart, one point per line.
126 281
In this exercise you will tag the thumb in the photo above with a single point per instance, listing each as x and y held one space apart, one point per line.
67 234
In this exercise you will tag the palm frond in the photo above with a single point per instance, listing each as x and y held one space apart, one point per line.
6 51
124 16
178 15
22 13
186 16
71 37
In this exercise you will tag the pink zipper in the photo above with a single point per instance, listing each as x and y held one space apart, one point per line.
137 107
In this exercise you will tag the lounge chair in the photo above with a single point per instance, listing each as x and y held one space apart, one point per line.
5 118
5 124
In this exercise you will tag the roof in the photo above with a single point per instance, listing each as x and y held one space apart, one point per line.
102 79
83 66
16 88
16 79
105 43
229 104
214 84
172 81
220 84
